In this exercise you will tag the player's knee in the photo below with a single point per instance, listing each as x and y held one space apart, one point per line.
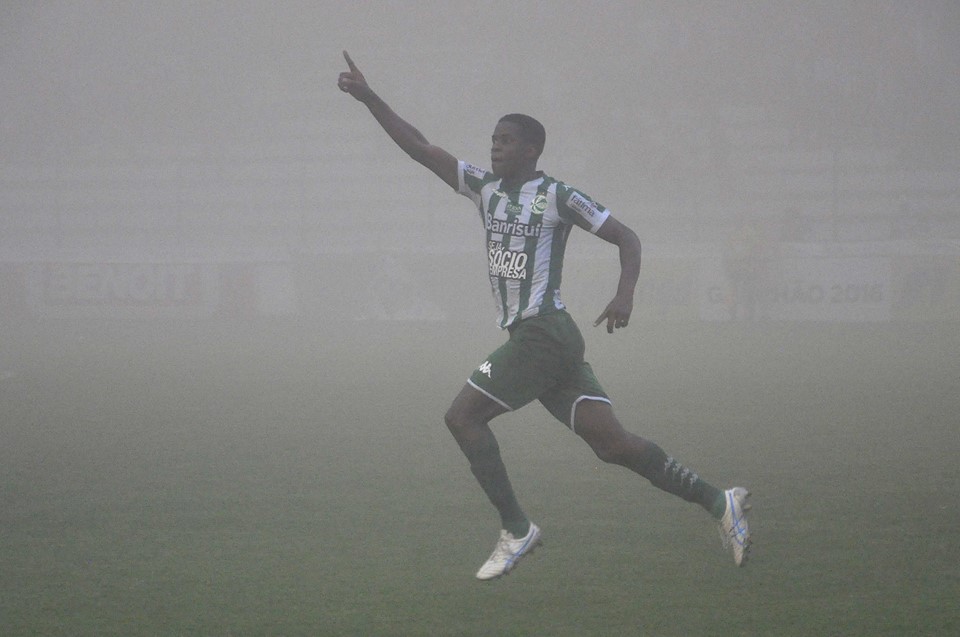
470 412
600 429
607 440
450 419
610 449
459 420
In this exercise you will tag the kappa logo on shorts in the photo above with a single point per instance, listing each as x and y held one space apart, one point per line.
486 368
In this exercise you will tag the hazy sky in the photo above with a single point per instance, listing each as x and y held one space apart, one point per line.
112 75
651 105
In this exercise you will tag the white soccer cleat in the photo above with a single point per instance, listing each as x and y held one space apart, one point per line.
734 531
508 552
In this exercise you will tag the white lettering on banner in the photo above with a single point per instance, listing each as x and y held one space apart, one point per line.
121 284
802 289
506 264
800 293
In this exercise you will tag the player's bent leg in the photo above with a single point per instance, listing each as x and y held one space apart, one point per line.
596 423
468 420
468 415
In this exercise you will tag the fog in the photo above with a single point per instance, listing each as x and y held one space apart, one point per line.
224 289
209 142
174 167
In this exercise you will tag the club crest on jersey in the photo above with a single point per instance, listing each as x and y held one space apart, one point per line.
539 204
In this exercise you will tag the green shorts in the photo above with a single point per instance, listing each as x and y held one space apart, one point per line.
543 359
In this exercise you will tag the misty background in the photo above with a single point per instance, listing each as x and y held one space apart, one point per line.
195 159
233 312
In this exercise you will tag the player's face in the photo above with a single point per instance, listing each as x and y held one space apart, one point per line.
509 154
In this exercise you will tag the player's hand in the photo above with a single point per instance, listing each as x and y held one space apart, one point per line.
617 314
353 82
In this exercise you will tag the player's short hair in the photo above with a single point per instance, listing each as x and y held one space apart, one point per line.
531 130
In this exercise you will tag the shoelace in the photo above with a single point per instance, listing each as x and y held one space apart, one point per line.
502 550
737 531
731 536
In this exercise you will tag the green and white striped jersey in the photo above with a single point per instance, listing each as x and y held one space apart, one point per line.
527 232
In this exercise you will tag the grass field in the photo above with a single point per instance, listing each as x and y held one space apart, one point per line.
290 478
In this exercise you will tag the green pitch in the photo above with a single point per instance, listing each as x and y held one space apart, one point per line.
278 480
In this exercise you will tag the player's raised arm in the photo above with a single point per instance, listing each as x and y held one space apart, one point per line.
617 312
408 138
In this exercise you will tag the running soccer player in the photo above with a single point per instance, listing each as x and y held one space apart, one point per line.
528 217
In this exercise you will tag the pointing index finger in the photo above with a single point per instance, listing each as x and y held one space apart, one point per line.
353 67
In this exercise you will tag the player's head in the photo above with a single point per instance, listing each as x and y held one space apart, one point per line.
517 144
531 131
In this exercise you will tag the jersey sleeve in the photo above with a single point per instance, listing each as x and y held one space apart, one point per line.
576 207
471 179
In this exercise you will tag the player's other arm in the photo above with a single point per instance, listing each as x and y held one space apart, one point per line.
617 312
408 138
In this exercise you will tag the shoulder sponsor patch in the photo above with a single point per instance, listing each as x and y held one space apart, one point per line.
587 209
474 171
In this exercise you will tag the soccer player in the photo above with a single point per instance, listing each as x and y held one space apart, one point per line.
528 217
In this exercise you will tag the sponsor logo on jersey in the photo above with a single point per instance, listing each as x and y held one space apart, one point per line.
506 264
486 368
584 206
511 228
514 208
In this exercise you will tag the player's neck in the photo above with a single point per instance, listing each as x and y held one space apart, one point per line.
514 182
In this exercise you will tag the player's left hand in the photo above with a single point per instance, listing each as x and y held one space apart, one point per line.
617 314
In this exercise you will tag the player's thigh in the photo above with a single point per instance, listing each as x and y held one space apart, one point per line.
472 407
582 387
514 374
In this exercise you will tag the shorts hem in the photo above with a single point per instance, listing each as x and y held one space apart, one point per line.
573 408
489 395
